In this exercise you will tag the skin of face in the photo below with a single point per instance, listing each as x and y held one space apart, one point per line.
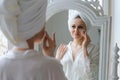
78 27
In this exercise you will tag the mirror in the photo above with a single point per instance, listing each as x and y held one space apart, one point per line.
57 16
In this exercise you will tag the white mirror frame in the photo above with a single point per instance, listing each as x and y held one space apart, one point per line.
98 20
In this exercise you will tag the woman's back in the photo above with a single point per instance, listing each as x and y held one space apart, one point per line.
29 66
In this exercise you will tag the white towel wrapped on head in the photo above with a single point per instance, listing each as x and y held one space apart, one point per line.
73 14
22 19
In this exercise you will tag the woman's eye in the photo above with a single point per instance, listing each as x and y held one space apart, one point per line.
80 27
73 26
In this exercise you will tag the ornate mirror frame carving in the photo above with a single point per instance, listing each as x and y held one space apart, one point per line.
94 12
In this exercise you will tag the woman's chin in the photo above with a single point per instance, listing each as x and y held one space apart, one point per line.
77 37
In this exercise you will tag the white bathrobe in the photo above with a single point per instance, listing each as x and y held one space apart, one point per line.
81 68
29 65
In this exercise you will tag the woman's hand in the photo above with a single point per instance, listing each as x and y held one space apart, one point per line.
49 45
61 51
86 39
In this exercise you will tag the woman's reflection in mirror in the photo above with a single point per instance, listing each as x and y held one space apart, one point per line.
80 58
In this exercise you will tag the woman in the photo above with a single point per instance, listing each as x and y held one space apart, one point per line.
22 22
79 58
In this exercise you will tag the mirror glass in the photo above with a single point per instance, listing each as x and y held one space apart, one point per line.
58 23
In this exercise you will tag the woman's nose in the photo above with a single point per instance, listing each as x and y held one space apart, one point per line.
76 29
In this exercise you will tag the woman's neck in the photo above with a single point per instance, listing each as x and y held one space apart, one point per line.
30 43
21 49
77 43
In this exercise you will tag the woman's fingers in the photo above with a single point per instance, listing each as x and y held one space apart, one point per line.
50 41
87 37
61 51
45 42
83 33
53 40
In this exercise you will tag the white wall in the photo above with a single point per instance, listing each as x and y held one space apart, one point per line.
116 21
115 30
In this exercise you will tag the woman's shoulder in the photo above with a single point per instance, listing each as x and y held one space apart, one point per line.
92 45
93 49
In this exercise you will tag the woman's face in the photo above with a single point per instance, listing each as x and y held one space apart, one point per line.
78 27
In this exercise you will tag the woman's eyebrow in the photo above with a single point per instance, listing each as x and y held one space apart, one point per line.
73 25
